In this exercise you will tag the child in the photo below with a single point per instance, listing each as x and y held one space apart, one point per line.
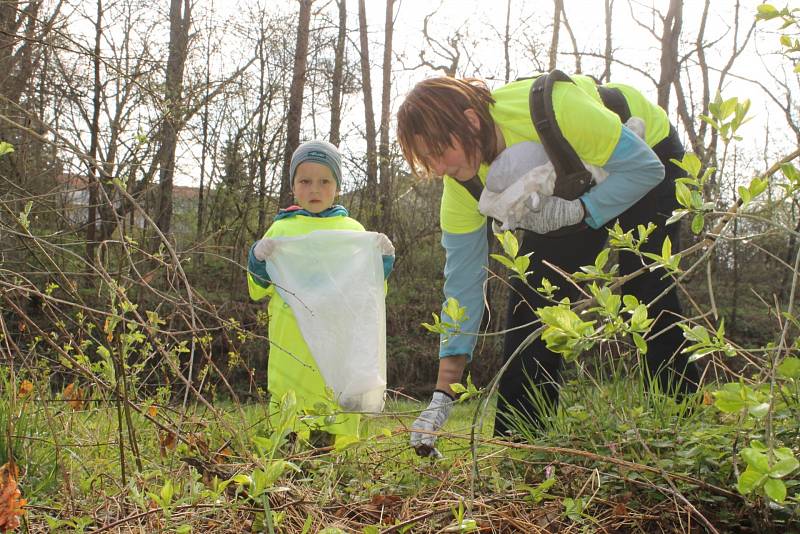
315 173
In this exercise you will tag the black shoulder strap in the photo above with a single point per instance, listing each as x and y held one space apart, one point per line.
572 178
614 100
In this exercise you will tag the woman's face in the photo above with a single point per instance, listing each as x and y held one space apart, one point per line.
453 162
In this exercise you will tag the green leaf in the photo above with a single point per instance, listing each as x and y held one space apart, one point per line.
6 148
602 258
766 12
457 388
455 311
167 492
631 302
690 163
677 215
790 171
640 343
744 194
758 186
789 368
508 263
775 489
509 243
759 410
698 221
683 195
734 397
521 264
344 441
23 217
786 463
749 481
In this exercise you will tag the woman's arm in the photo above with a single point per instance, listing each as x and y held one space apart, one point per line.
633 170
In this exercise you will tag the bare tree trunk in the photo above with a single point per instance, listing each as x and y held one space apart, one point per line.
91 222
179 21
295 98
16 45
572 39
261 134
201 198
609 9
558 7
670 37
506 42
338 69
369 113
386 98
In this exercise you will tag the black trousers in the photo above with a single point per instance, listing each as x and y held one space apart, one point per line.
538 367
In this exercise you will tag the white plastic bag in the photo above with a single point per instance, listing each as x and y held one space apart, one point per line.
527 161
333 281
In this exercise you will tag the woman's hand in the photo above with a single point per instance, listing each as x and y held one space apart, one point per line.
552 214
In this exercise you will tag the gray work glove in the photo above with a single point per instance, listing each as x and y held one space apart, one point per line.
551 214
430 420
264 248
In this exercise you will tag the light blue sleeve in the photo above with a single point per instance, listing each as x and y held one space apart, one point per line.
258 269
633 170
388 265
464 278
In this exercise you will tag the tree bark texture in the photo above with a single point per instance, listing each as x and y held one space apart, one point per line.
295 113
673 22
179 22
369 112
386 101
338 70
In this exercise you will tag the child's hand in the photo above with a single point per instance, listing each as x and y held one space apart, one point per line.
264 249
385 246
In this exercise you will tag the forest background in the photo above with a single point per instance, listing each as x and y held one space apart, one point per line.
144 146
172 128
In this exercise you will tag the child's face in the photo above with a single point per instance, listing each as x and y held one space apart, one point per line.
314 186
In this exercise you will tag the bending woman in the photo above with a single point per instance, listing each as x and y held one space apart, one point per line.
455 128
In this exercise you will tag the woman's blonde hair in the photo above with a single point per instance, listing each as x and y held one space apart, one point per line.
433 113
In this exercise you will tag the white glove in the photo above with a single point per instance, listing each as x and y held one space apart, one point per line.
552 214
430 420
264 248
385 245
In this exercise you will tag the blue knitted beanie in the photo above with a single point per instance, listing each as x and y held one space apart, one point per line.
318 151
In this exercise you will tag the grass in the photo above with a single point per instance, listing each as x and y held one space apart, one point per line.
613 457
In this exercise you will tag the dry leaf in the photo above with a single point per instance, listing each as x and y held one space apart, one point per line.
167 440
198 441
74 396
620 510
25 388
385 500
223 455
11 502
